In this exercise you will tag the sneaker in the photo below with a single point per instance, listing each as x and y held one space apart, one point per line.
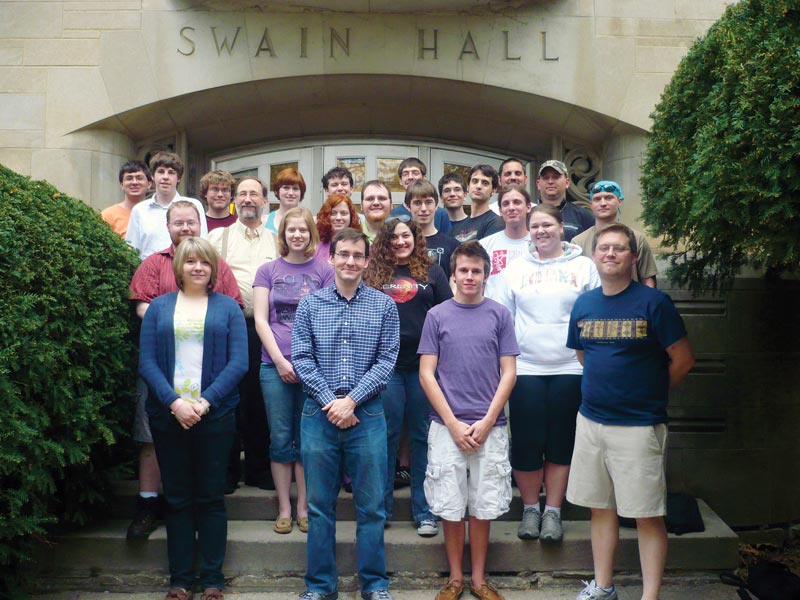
402 478
145 521
427 528
552 530
309 595
212 594
486 592
592 592
178 594
377 595
452 591
530 524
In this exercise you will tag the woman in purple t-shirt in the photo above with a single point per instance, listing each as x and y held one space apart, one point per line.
278 287
401 268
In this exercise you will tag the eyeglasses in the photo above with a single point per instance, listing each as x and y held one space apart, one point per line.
400 218
357 257
182 224
617 248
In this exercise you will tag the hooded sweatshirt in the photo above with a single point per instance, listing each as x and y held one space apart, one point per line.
540 293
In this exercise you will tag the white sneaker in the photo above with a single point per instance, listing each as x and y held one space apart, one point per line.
427 528
592 592
552 530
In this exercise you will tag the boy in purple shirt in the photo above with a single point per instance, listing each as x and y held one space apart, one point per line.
476 368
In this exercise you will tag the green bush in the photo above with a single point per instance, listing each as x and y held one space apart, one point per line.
721 180
67 362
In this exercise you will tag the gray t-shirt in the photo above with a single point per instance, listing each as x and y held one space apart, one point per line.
469 340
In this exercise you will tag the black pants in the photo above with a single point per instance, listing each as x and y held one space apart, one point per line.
252 431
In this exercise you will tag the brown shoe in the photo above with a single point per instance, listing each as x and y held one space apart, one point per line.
212 594
302 524
283 525
486 592
178 594
452 591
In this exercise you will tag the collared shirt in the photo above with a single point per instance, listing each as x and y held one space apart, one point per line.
147 228
155 277
244 255
342 346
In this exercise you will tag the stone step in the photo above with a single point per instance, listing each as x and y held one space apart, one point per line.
254 551
253 504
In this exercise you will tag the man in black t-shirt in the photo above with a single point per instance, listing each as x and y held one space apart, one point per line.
482 222
421 200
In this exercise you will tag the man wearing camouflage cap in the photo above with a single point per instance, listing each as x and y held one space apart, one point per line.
552 183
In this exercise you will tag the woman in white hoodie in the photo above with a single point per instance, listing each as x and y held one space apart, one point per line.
539 289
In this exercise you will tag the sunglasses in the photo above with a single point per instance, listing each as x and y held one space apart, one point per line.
400 218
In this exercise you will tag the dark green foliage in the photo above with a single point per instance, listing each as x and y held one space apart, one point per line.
67 362
722 177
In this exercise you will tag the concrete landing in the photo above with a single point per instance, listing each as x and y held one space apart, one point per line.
101 553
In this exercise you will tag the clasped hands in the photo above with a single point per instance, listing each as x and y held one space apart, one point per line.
188 413
470 437
340 412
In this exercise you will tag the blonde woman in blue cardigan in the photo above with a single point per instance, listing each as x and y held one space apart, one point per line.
193 353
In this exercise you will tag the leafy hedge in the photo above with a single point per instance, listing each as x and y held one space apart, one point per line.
67 362
721 180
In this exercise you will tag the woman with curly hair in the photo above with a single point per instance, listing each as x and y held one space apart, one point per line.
336 213
400 267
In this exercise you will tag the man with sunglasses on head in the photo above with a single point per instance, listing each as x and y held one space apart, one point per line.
606 198
633 346
553 182
345 342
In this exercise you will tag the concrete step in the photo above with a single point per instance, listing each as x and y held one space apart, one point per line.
101 553
253 504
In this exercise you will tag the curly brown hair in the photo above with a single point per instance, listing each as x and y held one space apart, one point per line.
383 264
324 216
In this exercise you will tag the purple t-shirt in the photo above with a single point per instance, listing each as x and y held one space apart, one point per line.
287 284
469 340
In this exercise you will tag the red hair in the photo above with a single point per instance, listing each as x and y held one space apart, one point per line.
324 216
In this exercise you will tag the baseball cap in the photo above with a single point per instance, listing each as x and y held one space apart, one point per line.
607 186
554 164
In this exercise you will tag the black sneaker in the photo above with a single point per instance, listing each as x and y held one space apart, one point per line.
402 477
145 521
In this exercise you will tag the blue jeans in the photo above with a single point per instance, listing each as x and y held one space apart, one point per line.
284 405
404 399
193 465
361 451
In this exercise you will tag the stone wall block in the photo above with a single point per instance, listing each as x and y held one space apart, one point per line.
62 52
30 20
102 19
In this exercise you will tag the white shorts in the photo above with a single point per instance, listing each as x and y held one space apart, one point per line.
456 480
619 467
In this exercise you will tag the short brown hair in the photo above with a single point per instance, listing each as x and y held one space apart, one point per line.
471 249
215 178
617 228
167 159
422 188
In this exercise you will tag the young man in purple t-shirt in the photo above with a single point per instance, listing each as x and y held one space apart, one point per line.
468 433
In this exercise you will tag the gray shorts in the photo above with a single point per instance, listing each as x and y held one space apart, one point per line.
141 422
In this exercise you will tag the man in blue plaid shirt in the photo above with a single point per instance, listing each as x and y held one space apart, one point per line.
344 346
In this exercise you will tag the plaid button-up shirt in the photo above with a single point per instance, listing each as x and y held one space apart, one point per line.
342 346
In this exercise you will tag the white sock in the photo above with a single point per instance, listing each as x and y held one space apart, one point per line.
552 508
532 507
148 494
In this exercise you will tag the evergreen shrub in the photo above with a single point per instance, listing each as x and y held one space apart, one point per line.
721 181
67 363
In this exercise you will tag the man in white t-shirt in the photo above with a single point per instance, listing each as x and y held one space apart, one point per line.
504 246
147 229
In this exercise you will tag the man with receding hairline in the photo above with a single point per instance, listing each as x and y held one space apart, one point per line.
633 346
